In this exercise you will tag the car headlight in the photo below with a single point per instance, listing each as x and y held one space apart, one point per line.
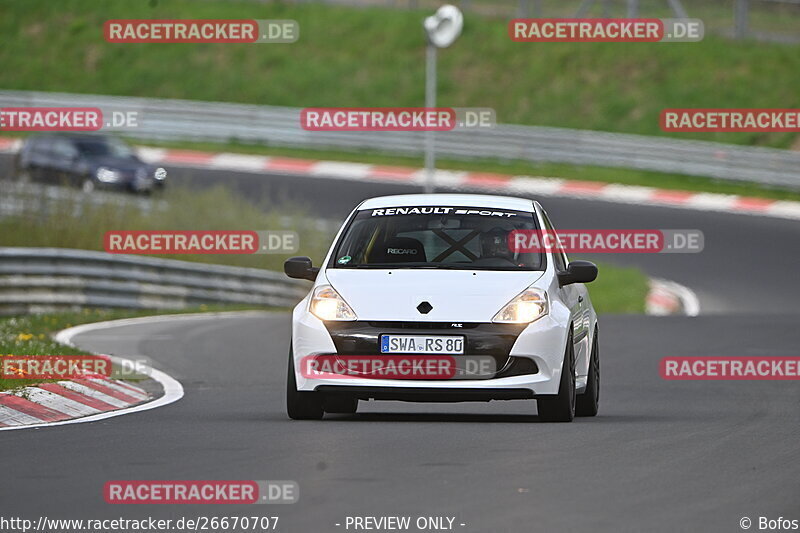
107 175
527 307
326 304
160 173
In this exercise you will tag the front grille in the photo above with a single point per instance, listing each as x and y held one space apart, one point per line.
363 337
424 325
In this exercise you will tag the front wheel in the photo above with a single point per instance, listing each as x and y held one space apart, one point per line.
301 405
561 407
87 185
22 175
589 402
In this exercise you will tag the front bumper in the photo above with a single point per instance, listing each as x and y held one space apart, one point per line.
539 345
130 185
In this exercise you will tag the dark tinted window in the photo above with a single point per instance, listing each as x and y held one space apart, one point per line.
104 146
464 238
63 148
38 145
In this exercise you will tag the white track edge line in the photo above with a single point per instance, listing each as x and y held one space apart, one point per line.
173 390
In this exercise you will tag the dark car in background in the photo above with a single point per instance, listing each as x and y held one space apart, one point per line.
87 161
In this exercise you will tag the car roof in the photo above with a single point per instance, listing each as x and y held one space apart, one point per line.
72 136
459 200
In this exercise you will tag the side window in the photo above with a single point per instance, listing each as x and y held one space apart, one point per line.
64 149
559 256
39 146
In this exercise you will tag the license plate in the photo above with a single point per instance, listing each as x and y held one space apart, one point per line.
422 344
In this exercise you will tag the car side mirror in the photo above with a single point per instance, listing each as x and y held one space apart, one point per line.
300 268
578 272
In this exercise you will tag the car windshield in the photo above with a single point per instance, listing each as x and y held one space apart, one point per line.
111 147
446 237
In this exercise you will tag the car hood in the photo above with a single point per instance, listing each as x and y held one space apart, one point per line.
455 295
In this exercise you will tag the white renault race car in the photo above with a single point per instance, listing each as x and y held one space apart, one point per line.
423 297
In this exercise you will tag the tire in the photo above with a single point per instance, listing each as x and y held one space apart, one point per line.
301 405
561 407
22 175
588 403
343 405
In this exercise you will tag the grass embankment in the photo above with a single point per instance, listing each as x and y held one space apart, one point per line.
375 57
611 87
618 87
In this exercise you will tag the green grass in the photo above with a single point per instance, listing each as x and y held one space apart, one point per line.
374 57
618 290
776 18
31 334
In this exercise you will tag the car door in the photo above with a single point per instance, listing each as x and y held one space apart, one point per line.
65 155
37 158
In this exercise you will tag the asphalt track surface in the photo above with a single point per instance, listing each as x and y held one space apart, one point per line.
661 456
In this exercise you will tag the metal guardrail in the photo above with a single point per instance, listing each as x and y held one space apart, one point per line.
185 120
47 279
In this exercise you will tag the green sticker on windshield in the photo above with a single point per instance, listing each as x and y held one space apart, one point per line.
344 260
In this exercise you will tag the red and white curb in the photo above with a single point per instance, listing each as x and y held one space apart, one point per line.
478 181
465 181
84 400
66 400
669 298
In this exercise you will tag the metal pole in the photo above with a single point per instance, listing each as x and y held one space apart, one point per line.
740 19
430 102
583 8
633 9
678 9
